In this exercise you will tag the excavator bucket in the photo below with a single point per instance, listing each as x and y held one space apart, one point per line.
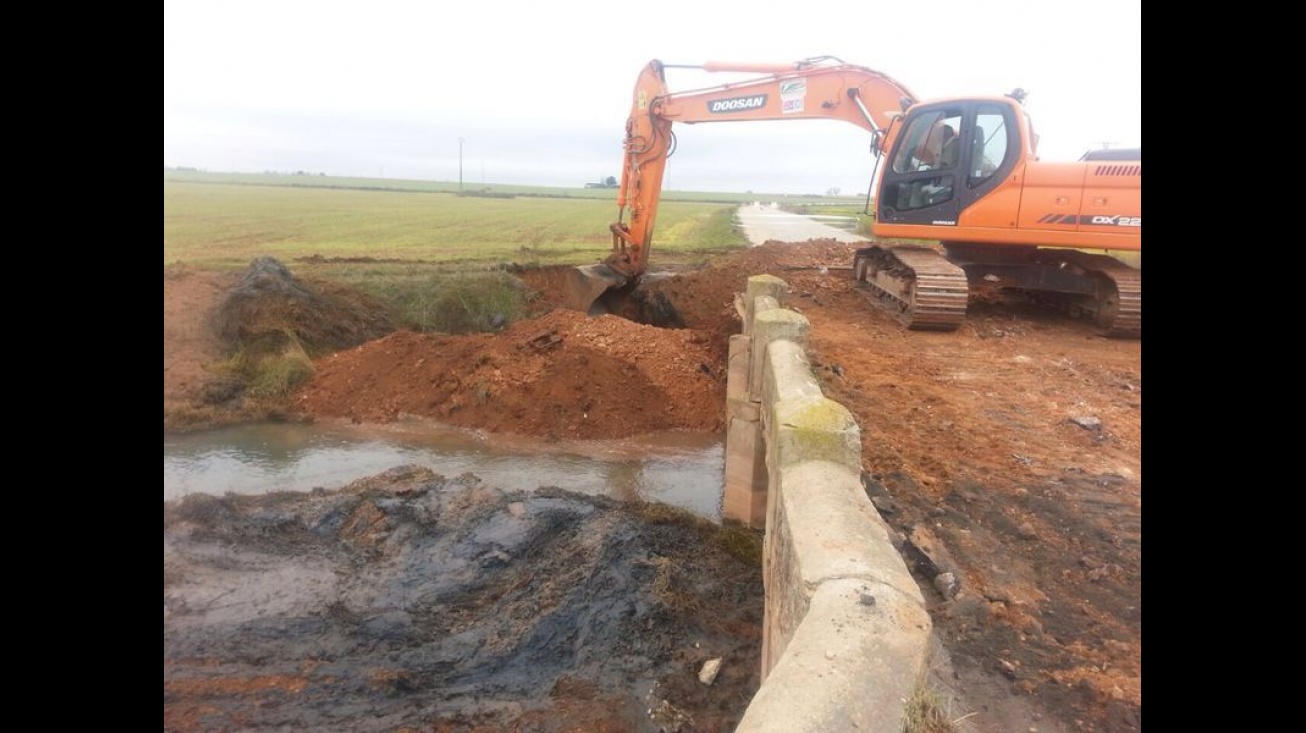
593 288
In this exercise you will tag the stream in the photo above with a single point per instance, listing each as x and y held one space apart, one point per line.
682 469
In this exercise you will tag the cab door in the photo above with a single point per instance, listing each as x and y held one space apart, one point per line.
924 184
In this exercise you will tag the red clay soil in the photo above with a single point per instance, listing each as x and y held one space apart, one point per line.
563 374
1006 455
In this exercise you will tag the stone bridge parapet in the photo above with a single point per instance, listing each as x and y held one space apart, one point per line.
845 641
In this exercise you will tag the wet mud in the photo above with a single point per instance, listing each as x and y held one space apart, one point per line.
412 601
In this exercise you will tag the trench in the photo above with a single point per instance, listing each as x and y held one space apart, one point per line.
461 581
682 469
487 583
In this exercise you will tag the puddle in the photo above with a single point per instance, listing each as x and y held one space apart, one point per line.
678 468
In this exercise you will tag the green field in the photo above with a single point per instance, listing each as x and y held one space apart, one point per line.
181 175
227 225
433 255
225 220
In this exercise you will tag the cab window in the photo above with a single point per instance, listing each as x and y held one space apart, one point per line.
930 143
989 144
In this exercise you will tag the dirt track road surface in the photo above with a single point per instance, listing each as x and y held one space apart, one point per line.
764 223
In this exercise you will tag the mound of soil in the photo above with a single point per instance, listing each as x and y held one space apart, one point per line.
1006 454
270 307
215 323
411 601
562 375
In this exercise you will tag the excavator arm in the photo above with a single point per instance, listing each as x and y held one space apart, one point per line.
819 88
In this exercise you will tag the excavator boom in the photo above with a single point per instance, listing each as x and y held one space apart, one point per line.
820 88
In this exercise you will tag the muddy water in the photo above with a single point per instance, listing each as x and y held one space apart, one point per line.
681 469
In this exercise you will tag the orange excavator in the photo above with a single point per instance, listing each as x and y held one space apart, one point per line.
962 200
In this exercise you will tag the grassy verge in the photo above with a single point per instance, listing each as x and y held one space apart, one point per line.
445 303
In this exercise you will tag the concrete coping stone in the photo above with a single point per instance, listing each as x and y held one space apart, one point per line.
769 326
765 285
779 316
812 428
764 303
852 664
836 532
788 374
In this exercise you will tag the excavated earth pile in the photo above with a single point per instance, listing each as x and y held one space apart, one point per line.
563 374
1005 456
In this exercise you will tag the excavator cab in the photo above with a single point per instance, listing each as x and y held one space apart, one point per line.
937 166
1053 231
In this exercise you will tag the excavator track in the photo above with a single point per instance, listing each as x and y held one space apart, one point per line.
1118 306
919 285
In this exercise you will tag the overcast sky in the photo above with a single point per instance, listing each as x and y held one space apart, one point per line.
540 91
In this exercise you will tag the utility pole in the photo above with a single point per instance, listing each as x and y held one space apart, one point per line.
460 163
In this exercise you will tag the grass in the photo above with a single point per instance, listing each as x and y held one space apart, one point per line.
929 712
421 256
224 220
853 210
495 190
225 226
270 373
433 257
459 304
740 541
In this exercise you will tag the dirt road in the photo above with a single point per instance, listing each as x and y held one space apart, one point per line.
764 223
1007 454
